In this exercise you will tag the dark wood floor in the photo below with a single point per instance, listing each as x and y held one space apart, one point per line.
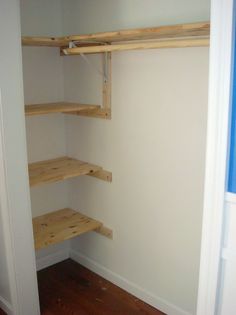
68 288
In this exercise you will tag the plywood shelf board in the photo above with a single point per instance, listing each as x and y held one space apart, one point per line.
59 107
193 30
62 168
64 224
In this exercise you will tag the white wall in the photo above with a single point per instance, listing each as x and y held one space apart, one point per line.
103 15
41 18
43 83
14 191
155 147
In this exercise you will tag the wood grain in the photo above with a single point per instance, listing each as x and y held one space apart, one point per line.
102 174
106 90
105 231
64 224
170 31
177 43
104 113
62 168
86 110
43 41
59 107
55 170
68 288
161 32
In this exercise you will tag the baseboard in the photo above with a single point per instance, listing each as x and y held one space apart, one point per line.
6 306
51 259
128 286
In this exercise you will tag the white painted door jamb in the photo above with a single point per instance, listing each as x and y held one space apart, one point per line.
216 156
14 187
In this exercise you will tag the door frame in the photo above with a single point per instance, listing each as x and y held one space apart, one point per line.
15 205
20 253
219 114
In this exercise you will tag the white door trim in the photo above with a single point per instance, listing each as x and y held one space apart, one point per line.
216 156
12 305
14 183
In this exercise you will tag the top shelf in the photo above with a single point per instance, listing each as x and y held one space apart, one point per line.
189 32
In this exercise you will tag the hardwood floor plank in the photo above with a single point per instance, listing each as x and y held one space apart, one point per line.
69 288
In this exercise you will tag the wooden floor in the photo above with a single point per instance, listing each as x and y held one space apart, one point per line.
68 288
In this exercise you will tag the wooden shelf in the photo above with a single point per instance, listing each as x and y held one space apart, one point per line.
181 35
61 225
59 169
60 107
